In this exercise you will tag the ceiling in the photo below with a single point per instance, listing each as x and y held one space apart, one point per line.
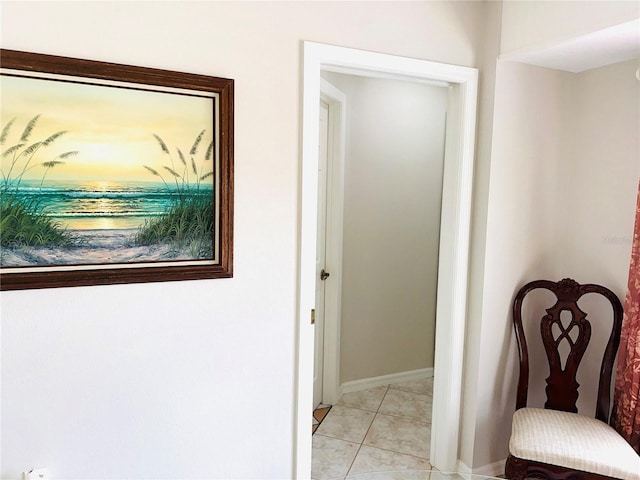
604 47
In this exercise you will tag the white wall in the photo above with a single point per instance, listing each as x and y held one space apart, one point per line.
548 126
530 111
536 24
393 193
482 175
191 379
600 188
601 174
564 176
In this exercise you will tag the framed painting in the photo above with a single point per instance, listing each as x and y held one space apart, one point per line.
112 173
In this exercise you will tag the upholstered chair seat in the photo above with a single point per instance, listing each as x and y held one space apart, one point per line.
572 441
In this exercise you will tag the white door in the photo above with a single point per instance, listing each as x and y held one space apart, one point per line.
321 275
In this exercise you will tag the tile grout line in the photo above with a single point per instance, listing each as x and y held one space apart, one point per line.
389 414
390 387
409 419
368 429
398 453
377 413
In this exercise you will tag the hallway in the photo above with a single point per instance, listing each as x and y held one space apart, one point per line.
385 428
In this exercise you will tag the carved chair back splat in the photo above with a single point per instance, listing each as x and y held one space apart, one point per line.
562 386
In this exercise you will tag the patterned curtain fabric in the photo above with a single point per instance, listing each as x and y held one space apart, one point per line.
626 406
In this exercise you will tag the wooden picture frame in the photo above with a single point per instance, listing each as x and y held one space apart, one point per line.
112 173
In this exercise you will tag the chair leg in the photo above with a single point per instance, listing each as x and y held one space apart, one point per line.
515 468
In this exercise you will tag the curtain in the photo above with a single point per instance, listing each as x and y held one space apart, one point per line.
626 406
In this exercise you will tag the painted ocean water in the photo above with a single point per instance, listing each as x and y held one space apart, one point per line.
103 205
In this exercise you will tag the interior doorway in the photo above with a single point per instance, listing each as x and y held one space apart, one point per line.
456 211
391 201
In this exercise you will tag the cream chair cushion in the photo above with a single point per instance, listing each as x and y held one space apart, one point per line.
573 441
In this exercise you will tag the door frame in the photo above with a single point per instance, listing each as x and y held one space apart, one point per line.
453 268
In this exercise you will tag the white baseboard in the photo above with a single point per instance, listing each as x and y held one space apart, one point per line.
494 469
463 469
365 383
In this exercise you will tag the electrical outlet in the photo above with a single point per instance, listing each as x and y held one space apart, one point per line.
36 474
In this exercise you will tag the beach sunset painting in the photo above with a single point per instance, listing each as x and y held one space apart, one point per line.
97 173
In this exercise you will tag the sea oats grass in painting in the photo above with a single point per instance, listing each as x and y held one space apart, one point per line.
114 169
188 223
23 220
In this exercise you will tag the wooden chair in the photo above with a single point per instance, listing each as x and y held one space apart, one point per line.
556 442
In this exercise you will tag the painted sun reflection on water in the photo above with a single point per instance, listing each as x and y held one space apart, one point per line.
101 205
104 223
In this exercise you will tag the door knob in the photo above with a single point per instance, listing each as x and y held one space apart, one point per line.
324 275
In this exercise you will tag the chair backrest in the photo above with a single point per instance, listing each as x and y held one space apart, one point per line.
562 386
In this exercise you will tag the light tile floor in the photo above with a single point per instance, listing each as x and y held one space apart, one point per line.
381 429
